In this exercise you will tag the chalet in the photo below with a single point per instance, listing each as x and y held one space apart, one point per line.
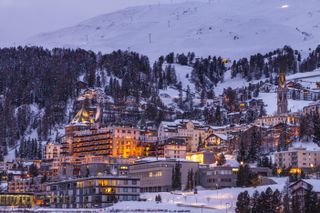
217 142
193 131
299 189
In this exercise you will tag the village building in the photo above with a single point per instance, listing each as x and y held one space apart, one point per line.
52 151
193 131
156 173
93 192
298 157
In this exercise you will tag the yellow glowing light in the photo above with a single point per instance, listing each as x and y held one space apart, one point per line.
108 190
279 171
295 171
195 157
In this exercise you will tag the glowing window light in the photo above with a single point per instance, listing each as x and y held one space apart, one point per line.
284 6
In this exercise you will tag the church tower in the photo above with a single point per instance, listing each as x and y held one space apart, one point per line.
282 101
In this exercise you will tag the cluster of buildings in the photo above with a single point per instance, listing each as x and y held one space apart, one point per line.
96 165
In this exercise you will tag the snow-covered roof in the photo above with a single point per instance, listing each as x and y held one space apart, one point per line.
310 146
15 172
154 159
315 183
222 136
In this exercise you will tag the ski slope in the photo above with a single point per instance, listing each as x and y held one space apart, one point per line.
218 27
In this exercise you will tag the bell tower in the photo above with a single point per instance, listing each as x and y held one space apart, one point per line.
282 98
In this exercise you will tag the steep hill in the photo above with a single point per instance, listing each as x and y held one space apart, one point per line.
228 28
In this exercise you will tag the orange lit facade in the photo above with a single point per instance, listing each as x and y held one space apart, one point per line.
116 141
95 141
126 142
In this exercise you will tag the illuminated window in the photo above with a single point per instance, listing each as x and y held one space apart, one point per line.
103 182
108 190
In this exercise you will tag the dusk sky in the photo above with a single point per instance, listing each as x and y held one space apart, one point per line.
20 19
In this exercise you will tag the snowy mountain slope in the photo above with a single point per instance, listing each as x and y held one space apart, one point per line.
229 28
270 100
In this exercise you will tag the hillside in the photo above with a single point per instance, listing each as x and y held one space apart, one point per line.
228 28
167 73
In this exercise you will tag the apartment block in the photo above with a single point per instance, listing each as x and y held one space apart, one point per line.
156 173
93 192
297 157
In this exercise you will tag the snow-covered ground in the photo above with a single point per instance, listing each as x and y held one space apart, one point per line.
217 200
270 100
228 28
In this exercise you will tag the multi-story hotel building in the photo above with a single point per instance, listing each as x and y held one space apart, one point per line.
175 148
24 185
93 192
297 158
52 151
83 138
94 141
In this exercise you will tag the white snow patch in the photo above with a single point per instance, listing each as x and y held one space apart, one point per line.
270 100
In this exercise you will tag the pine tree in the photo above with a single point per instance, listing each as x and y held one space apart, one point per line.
242 156
188 182
282 146
244 175
200 143
254 146
295 205
276 201
177 178
189 99
221 159
255 202
217 116
180 100
306 126
316 125
39 154
44 178
33 170
243 202
191 179
173 179
203 97
286 204
310 201
170 58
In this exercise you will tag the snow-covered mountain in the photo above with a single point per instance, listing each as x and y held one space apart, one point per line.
228 28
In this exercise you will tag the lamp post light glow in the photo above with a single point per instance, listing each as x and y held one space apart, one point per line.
227 207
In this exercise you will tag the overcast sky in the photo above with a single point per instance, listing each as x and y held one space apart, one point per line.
20 19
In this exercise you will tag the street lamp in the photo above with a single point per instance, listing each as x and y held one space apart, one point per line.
227 207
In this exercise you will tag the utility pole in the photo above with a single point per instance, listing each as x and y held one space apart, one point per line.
150 41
